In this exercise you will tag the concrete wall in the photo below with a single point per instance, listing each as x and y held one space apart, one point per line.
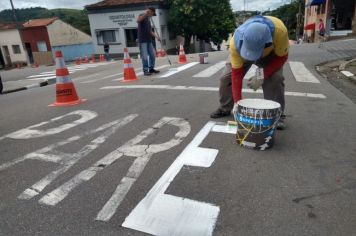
119 21
61 33
71 52
8 38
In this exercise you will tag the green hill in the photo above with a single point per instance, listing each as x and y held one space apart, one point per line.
76 18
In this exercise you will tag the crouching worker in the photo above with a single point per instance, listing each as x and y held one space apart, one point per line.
263 41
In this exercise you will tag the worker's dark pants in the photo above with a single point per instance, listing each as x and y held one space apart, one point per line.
273 88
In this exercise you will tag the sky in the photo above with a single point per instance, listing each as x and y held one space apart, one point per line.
237 5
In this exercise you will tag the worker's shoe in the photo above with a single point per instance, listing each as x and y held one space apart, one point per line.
146 73
154 71
219 113
280 123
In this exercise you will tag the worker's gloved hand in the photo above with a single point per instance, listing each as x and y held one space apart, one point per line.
234 110
254 83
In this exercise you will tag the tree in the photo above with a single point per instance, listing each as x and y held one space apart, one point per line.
208 20
288 14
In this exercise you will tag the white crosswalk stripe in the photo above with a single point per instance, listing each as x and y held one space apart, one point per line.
301 73
71 69
211 70
173 71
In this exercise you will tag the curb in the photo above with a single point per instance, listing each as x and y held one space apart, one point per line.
31 86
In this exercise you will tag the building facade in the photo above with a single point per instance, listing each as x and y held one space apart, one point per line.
115 22
44 36
11 48
339 17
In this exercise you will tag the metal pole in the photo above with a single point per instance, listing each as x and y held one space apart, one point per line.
19 27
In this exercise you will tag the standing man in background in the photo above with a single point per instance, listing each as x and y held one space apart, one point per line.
106 50
145 35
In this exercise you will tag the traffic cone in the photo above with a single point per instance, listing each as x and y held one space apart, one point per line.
182 57
93 58
86 60
102 58
66 94
129 72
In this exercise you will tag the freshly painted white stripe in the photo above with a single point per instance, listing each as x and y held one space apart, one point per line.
143 156
347 73
179 69
43 78
130 148
211 70
141 72
41 75
67 160
163 214
105 77
170 87
228 129
301 73
31 132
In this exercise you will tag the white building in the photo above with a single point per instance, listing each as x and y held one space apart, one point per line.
114 21
11 48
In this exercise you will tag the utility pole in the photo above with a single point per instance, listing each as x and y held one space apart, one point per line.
19 27
299 20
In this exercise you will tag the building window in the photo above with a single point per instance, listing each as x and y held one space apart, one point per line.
16 49
107 36
131 36
42 46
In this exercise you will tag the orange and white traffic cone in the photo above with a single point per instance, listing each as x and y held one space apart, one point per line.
93 58
66 94
102 58
129 72
182 57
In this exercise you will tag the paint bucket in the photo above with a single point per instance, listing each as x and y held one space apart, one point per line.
256 122
203 58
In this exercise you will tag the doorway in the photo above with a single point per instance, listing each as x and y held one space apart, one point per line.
2 62
29 52
8 61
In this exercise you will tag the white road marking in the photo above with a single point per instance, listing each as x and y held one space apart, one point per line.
30 132
347 73
43 78
179 69
141 72
195 88
211 70
105 77
163 214
301 73
67 160
42 75
227 129
142 153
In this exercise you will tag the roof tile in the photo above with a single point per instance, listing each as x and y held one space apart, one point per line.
39 22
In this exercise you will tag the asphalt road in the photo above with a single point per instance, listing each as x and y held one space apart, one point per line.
145 154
